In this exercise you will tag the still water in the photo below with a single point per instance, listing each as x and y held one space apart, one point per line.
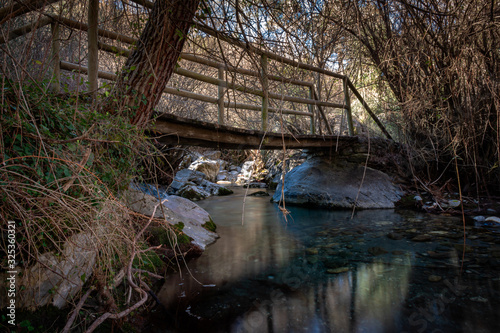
321 271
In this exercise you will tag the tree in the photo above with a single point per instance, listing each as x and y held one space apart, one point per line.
149 67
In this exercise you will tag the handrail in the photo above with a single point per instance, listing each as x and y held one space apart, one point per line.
348 85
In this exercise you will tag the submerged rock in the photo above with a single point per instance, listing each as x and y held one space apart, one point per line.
319 182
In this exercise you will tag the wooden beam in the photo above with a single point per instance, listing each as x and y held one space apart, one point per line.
101 32
183 93
26 29
215 64
22 7
367 108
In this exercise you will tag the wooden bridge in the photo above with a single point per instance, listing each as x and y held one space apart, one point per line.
171 129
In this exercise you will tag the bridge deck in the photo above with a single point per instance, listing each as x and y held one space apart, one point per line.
174 130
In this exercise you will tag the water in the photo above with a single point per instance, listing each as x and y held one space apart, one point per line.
321 271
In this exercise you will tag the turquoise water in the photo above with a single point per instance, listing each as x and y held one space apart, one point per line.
321 271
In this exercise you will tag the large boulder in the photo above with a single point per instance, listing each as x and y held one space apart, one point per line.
207 166
176 209
322 183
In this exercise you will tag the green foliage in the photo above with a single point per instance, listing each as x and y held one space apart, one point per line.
149 261
210 225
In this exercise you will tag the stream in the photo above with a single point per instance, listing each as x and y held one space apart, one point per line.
317 270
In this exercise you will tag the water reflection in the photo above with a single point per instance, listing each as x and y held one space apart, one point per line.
365 300
270 275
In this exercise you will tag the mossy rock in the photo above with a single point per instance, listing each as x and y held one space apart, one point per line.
224 191
210 225
190 193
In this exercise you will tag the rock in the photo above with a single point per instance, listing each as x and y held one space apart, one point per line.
338 270
246 172
176 209
434 278
454 203
395 236
209 167
422 238
57 278
215 189
193 193
493 219
185 176
377 250
259 194
318 182
312 251
479 218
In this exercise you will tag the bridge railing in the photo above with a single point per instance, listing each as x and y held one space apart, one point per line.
315 105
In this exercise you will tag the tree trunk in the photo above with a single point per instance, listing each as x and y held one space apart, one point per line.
148 69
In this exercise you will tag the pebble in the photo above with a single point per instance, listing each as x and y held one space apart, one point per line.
395 236
479 218
422 238
338 270
434 278
377 250
312 250
479 299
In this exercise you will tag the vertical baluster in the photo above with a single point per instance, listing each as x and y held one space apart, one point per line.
220 96
347 103
56 58
265 89
93 65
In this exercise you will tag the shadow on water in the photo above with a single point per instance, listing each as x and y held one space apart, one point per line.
320 271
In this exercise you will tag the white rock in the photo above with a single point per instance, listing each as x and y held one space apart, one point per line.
479 218
176 209
493 219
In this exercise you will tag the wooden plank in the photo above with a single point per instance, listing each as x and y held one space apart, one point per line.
173 130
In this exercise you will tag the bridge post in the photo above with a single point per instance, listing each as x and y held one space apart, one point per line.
347 103
220 96
93 67
56 58
265 90
311 109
